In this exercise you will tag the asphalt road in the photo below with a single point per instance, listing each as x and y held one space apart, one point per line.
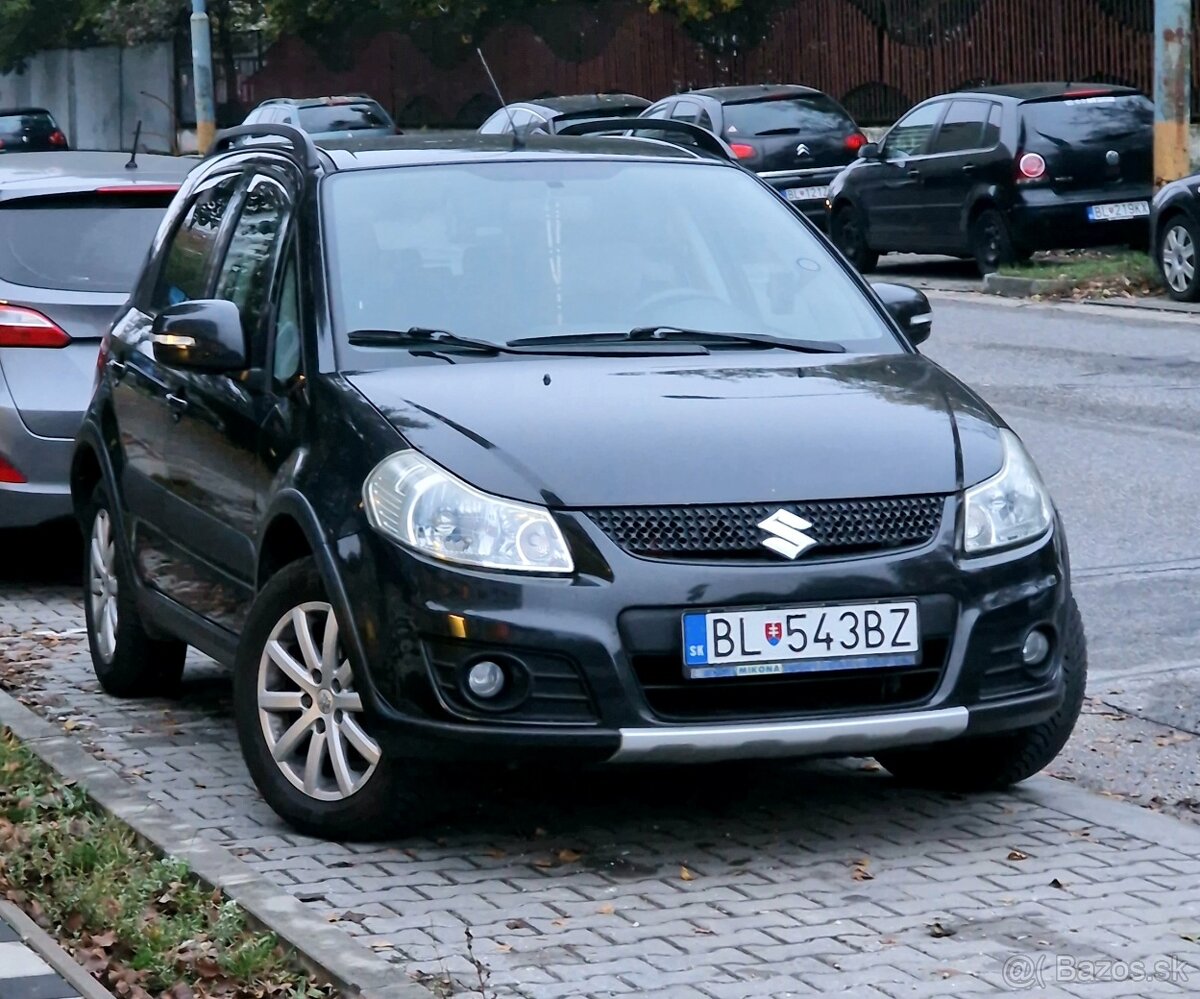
1108 401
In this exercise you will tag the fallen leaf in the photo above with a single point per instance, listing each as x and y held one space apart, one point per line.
940 929
569 856
518 924
1058 884
561 921
543 862
1017 855
105 939
607 909
503 948
870 766
704 931
495 852
686 875
859 871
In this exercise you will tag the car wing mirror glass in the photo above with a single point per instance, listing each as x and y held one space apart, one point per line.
909 307
203 335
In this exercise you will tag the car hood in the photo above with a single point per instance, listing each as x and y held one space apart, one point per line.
626 431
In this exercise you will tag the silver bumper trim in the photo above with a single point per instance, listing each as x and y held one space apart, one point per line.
833 737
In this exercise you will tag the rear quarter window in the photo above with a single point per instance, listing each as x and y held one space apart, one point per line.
78 243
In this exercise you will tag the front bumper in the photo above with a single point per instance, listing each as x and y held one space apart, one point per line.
602 652
1044 219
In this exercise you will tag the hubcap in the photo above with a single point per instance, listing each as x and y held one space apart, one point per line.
1179 258
308 709
102 585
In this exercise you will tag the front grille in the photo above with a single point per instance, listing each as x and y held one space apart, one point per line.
840 527
673 697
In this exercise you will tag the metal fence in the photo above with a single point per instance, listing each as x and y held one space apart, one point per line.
877 56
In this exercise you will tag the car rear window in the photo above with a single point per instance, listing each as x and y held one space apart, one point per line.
78 243
1089 119
781 116
35 122
344 117
504 250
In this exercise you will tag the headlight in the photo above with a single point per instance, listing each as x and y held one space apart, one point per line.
421 505
1010 507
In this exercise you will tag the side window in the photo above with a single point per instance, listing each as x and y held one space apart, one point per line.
662 111
910 135
962 128
705 121
285 362
246 272
688 111
991 131
184 275
496 124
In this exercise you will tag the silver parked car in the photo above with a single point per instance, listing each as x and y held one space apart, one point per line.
75 228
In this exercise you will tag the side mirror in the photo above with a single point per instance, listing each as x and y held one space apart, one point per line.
909 307
201 336
869 152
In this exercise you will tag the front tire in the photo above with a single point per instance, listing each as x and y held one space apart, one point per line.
994 762
1176 254
300 719
128 662
849 232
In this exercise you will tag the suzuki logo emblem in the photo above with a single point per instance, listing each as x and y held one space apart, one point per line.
787 534
803 150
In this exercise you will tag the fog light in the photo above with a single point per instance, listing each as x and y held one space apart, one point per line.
485 679
1036 647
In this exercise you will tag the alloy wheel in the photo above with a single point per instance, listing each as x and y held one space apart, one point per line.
308 709
1179 258
102 585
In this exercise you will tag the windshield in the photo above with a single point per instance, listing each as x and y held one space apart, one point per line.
344 117
815 113
1091 120
518 249
78 243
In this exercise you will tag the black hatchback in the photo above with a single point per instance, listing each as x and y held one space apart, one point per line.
996 174
795 138
376 431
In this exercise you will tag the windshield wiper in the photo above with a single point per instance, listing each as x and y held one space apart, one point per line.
419 336
678 334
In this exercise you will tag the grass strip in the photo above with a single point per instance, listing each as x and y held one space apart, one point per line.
140 923
1125 272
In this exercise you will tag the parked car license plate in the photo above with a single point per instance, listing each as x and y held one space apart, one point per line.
806 193
1119 212
800 639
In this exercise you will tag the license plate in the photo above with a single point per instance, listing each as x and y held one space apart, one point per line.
806 193
1119 212
800 639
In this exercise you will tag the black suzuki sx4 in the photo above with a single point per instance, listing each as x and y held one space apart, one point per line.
575 452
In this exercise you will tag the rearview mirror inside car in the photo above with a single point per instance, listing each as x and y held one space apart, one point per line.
204 335
909 307
869 152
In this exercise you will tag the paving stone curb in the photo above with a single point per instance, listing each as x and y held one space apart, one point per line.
47 948
1023 287
351 967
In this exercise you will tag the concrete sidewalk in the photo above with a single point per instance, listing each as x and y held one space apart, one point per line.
747 880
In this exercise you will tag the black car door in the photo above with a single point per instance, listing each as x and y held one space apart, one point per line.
959 160
142 394
891 192
216 474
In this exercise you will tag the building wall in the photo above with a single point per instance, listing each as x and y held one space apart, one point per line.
98 94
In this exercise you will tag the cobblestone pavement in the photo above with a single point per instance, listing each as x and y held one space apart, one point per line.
730 882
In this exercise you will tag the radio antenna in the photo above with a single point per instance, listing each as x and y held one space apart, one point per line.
518 138
137 139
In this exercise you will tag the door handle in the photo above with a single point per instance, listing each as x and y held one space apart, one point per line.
177 403
915 174
117 368
968 168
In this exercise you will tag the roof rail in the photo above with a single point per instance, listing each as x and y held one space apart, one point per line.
301 144
704 139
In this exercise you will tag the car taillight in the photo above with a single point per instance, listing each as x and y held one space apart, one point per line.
1030 166
855 141
9 472
57 138
742 151
26 328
